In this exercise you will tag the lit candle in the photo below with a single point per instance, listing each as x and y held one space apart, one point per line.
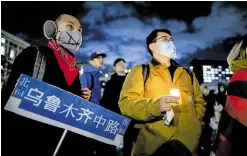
175 92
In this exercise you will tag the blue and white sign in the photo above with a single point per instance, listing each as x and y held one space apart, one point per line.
39 101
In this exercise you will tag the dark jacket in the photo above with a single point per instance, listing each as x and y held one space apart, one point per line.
29 137
90 79
112 92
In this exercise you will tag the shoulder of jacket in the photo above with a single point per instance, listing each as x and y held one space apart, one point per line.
33 50
29 52
136 68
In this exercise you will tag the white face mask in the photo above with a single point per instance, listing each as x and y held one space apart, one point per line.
168 49
70 40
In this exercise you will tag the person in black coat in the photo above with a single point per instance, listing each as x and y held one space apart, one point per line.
113 87
110 98
204 147
221 96
27 137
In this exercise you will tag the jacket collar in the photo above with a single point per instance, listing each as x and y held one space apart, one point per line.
177 73
155 63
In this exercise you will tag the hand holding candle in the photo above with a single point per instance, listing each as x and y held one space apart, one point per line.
168 117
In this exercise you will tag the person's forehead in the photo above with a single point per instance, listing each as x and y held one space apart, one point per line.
68 18
159 34
121 62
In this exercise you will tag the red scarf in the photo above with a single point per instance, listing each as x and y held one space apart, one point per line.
66 62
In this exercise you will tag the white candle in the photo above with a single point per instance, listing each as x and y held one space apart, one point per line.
175 92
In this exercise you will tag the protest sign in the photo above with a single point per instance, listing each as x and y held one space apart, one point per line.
45 103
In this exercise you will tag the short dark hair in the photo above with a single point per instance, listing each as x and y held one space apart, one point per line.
153 35
118 60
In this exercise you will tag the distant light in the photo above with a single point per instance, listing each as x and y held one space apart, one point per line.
227 72
12 53
3 50
228 78
219 66
126 70
223 72
220 75
129 70
231 72
191 67
3 40
106 75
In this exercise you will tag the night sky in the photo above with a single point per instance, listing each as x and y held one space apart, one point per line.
200 29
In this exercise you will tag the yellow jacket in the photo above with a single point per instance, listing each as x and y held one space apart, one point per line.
141 103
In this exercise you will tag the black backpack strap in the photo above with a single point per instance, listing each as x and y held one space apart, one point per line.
145 72
40 65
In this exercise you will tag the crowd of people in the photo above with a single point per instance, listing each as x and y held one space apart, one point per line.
196 121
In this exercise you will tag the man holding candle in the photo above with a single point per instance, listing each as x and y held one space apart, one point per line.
169 105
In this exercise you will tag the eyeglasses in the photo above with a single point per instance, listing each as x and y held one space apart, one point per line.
163 39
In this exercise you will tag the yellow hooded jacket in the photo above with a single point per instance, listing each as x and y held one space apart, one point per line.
141 103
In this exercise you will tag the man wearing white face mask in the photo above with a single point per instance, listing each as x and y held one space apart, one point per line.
146 97
54 64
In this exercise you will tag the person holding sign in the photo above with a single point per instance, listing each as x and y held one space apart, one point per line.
165 100
54 64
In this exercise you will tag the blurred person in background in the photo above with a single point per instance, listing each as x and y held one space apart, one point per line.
110 99
221 96
89 78
113 87
90 75
148 101
204 147
205 91
232 131
54 64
